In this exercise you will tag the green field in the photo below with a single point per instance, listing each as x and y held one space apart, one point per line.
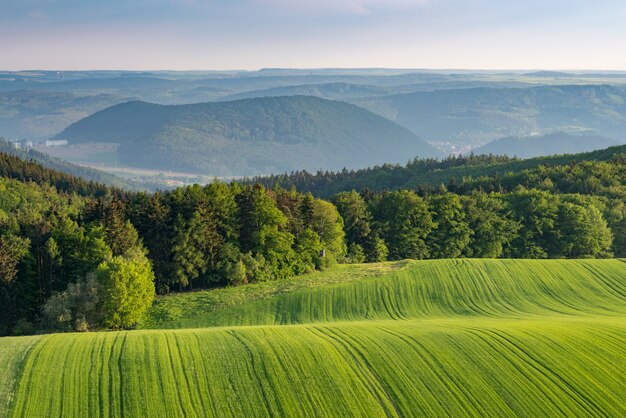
424 338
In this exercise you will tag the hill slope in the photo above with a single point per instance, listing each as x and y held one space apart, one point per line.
437 338
477 115
247 137
551 144
432 173
31 156
40 114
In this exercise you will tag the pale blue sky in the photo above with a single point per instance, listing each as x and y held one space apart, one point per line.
251 34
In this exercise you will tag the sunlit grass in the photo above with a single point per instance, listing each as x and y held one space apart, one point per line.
434 338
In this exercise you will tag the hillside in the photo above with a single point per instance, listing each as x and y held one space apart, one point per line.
551 144
39 114
248 137
431 173
336 91
451 289
31 157
436 338
474 116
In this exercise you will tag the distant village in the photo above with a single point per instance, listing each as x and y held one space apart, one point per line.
27 144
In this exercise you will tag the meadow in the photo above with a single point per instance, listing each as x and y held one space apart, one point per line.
419 338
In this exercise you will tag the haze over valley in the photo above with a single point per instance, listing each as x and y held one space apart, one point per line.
312 208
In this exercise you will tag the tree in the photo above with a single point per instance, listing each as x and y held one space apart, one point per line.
582 232
356 254
121 236
12 250
402 219
309 248
378 250
326 222
452 234
195 246
490 223
356 216
78 308
536 211
257 213
128 289
152 216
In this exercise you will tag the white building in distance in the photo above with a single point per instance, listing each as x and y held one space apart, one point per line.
55 142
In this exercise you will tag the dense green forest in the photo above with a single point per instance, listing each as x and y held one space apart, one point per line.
76 255
428 174
249 137
70 169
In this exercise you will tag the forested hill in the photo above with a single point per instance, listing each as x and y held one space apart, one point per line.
431 173
13 167
551 144
70 170
477 115
249 137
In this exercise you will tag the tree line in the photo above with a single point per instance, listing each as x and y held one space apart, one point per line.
70 262
76 255
525 223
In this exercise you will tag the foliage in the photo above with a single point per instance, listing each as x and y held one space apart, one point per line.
128 289
78 308
231 234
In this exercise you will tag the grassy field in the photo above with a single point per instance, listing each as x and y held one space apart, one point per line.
417 289
13 351
197 309
425 338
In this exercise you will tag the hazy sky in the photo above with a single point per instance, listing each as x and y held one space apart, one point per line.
251 34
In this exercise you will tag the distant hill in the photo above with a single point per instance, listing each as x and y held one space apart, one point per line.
40 114
476 116
248 137
338 91
537 146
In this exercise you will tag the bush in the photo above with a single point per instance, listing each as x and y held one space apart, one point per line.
75 309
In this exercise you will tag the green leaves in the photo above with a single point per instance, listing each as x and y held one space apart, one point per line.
128 289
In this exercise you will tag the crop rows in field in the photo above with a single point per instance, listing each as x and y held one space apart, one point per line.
485 367
436 338
13 351
441 289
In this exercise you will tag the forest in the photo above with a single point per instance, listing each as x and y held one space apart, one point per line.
77 255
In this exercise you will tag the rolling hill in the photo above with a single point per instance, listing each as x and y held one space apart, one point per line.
431 338
249 137
551 144
40 114
475 116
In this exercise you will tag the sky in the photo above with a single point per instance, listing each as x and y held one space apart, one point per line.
253 34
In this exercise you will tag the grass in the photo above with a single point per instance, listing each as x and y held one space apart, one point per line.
13 350
428 338
197 308
418 289
485 367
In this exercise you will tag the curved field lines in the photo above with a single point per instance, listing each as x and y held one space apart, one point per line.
436 338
